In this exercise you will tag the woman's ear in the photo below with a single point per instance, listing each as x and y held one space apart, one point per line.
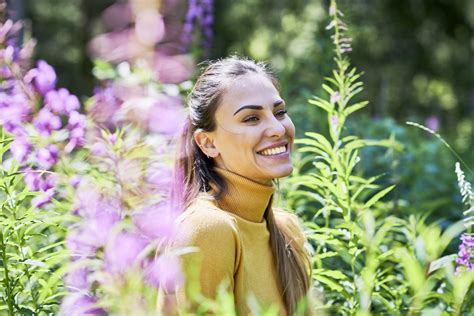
205 141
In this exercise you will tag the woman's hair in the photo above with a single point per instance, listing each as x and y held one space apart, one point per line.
194 171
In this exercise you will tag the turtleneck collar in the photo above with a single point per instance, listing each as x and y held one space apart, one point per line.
245 198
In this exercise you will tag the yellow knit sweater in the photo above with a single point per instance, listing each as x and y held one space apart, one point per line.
234 244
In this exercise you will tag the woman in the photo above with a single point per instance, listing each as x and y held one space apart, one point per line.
236 141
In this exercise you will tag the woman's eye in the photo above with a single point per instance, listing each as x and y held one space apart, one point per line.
251 119
281 113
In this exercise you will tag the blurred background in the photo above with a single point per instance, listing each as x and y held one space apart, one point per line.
417 58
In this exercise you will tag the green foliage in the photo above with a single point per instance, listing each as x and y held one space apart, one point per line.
366 259
31 245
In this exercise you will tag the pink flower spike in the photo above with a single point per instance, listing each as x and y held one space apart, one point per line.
48 156
40 200
20 149
155 222
121 253
61 101
164 272
46 122
43 77
77 304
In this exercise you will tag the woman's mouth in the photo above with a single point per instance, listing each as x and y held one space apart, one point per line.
276 152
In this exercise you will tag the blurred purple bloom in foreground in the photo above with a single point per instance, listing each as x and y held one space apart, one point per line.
61 101
46 122
47 156
79 304
89 201
36 180
98 228
104 105
79 245
14 109
77 279
159 176
43 77
466 252
42 199
20 148
122 252
165 117
164 271
77 131
155 221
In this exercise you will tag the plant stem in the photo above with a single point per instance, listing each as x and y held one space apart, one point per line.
6 280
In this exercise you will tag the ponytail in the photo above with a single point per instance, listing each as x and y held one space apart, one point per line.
292 262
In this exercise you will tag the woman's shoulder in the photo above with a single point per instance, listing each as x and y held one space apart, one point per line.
203 219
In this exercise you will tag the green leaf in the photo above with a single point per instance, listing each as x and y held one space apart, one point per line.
355 107
323 104
441 262
378 196
329 282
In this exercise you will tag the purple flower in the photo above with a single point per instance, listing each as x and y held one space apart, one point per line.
75 180
78 304
466 252
42 199
104 105
164 272
61 101
335 97
121 253
76 126
202 11
99 149
46 122
98 228
79 244
113 138
76 279
47 156
89 201
166 116
43 77
155 221
76 120
14 109
159 176
432 122
468 240
20 149
35 181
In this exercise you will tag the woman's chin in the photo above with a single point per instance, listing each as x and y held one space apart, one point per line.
280 171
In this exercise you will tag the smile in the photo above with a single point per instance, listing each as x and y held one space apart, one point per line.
277 151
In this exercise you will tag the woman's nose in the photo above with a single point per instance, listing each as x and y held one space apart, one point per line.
275 128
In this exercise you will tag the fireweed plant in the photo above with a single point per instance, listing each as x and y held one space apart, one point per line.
124 217
465 257
366 259
38 124
201 11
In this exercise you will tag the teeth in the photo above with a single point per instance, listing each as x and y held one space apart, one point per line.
273 151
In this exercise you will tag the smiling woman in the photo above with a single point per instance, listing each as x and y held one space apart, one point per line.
237 139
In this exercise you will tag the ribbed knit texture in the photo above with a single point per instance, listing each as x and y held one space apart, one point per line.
233 244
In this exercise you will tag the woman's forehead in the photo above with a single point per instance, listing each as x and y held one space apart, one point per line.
255 89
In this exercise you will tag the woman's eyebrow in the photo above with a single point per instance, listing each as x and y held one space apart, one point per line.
258 107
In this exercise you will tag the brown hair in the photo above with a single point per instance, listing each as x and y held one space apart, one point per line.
194 170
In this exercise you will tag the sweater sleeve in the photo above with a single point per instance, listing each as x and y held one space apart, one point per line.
210 236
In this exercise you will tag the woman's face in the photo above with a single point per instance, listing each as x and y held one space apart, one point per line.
254 134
